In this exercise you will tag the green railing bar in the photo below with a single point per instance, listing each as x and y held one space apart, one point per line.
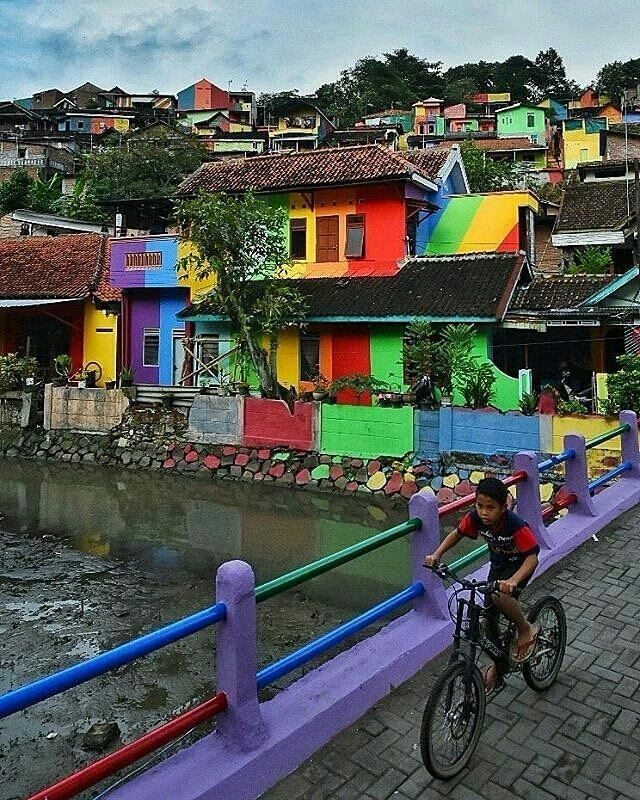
604 437
469 558
302 574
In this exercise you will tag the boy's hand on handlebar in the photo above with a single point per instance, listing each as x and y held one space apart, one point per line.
507 587
430 560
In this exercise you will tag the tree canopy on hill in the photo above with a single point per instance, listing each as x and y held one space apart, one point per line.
399 78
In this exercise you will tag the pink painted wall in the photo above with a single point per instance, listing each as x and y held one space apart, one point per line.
268 422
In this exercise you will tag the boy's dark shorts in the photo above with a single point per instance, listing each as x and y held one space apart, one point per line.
502 573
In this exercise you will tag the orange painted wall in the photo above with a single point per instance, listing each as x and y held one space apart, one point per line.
384 212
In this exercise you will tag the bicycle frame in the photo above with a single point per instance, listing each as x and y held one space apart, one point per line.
470 610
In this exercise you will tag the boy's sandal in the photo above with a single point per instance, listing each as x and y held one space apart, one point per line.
525 651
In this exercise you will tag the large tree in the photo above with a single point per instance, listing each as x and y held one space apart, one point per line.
615 78
372 84
549 77
144 165
242 243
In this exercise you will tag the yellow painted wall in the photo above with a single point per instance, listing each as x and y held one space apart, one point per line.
100 340
288 357
577 141
196 286
601 458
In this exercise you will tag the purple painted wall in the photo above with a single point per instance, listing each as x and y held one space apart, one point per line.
145 313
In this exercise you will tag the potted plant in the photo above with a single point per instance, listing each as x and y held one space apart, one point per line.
110 384
453 359
126 376
81 378
320 387
359 383
62 368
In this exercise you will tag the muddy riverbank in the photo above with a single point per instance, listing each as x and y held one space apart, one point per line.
60 606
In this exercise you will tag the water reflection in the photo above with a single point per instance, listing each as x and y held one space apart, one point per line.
190 526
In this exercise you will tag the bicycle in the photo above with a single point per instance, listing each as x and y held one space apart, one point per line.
454 712
63 368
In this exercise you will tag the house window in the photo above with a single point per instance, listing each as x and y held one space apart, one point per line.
355 236
309 356
584 155
531 121
150 347
298 238
206 359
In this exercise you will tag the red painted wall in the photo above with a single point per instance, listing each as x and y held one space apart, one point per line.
385 230
207 96
350 354
269 422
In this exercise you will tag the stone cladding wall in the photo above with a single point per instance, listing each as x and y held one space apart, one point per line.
156 439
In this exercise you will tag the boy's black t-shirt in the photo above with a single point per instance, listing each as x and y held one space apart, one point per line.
509 542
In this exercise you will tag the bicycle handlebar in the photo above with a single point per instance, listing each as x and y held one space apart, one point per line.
444 571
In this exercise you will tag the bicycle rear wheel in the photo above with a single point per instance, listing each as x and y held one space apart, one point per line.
541 670
452 720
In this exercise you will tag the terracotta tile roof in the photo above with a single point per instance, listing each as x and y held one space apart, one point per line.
310 169
558 292
476 285
492 144
71 266
595 205
431 160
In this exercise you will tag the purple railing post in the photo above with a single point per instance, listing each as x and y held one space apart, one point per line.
433 602
629 444
577 475
241 725
528 496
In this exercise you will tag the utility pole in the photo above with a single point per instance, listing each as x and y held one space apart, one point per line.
636 182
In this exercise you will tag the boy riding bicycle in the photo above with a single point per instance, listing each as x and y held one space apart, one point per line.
513 553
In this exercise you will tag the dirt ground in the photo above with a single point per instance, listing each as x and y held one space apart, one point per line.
59 607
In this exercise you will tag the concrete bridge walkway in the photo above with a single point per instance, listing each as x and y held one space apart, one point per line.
580 740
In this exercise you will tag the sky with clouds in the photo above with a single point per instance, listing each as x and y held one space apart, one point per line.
277 45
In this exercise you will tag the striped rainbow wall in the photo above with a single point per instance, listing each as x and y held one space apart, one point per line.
475 223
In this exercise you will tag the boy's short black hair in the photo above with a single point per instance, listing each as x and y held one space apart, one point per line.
493 488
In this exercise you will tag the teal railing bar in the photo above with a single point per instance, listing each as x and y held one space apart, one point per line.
302 574
604 437
469 558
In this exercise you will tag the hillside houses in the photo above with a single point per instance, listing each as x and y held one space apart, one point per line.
382 228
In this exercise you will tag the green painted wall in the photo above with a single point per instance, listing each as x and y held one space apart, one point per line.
514 121
366 431
452 226
386 355
506 388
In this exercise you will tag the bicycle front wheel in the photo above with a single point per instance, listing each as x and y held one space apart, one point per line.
541 670
452 720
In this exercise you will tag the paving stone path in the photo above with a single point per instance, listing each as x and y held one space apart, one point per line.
580 740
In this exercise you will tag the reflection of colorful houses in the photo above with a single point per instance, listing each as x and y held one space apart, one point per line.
55 298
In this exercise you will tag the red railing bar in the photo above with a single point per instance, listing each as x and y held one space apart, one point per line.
90 775
456 505
557 505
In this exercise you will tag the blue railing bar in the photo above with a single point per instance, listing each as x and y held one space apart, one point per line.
609 476
558 458
328 640
43 688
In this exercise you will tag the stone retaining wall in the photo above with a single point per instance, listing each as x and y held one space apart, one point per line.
157 439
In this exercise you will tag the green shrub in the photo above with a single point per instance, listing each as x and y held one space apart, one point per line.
476 385
14 369
623 386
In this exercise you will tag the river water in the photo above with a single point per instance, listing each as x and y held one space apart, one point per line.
92 557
